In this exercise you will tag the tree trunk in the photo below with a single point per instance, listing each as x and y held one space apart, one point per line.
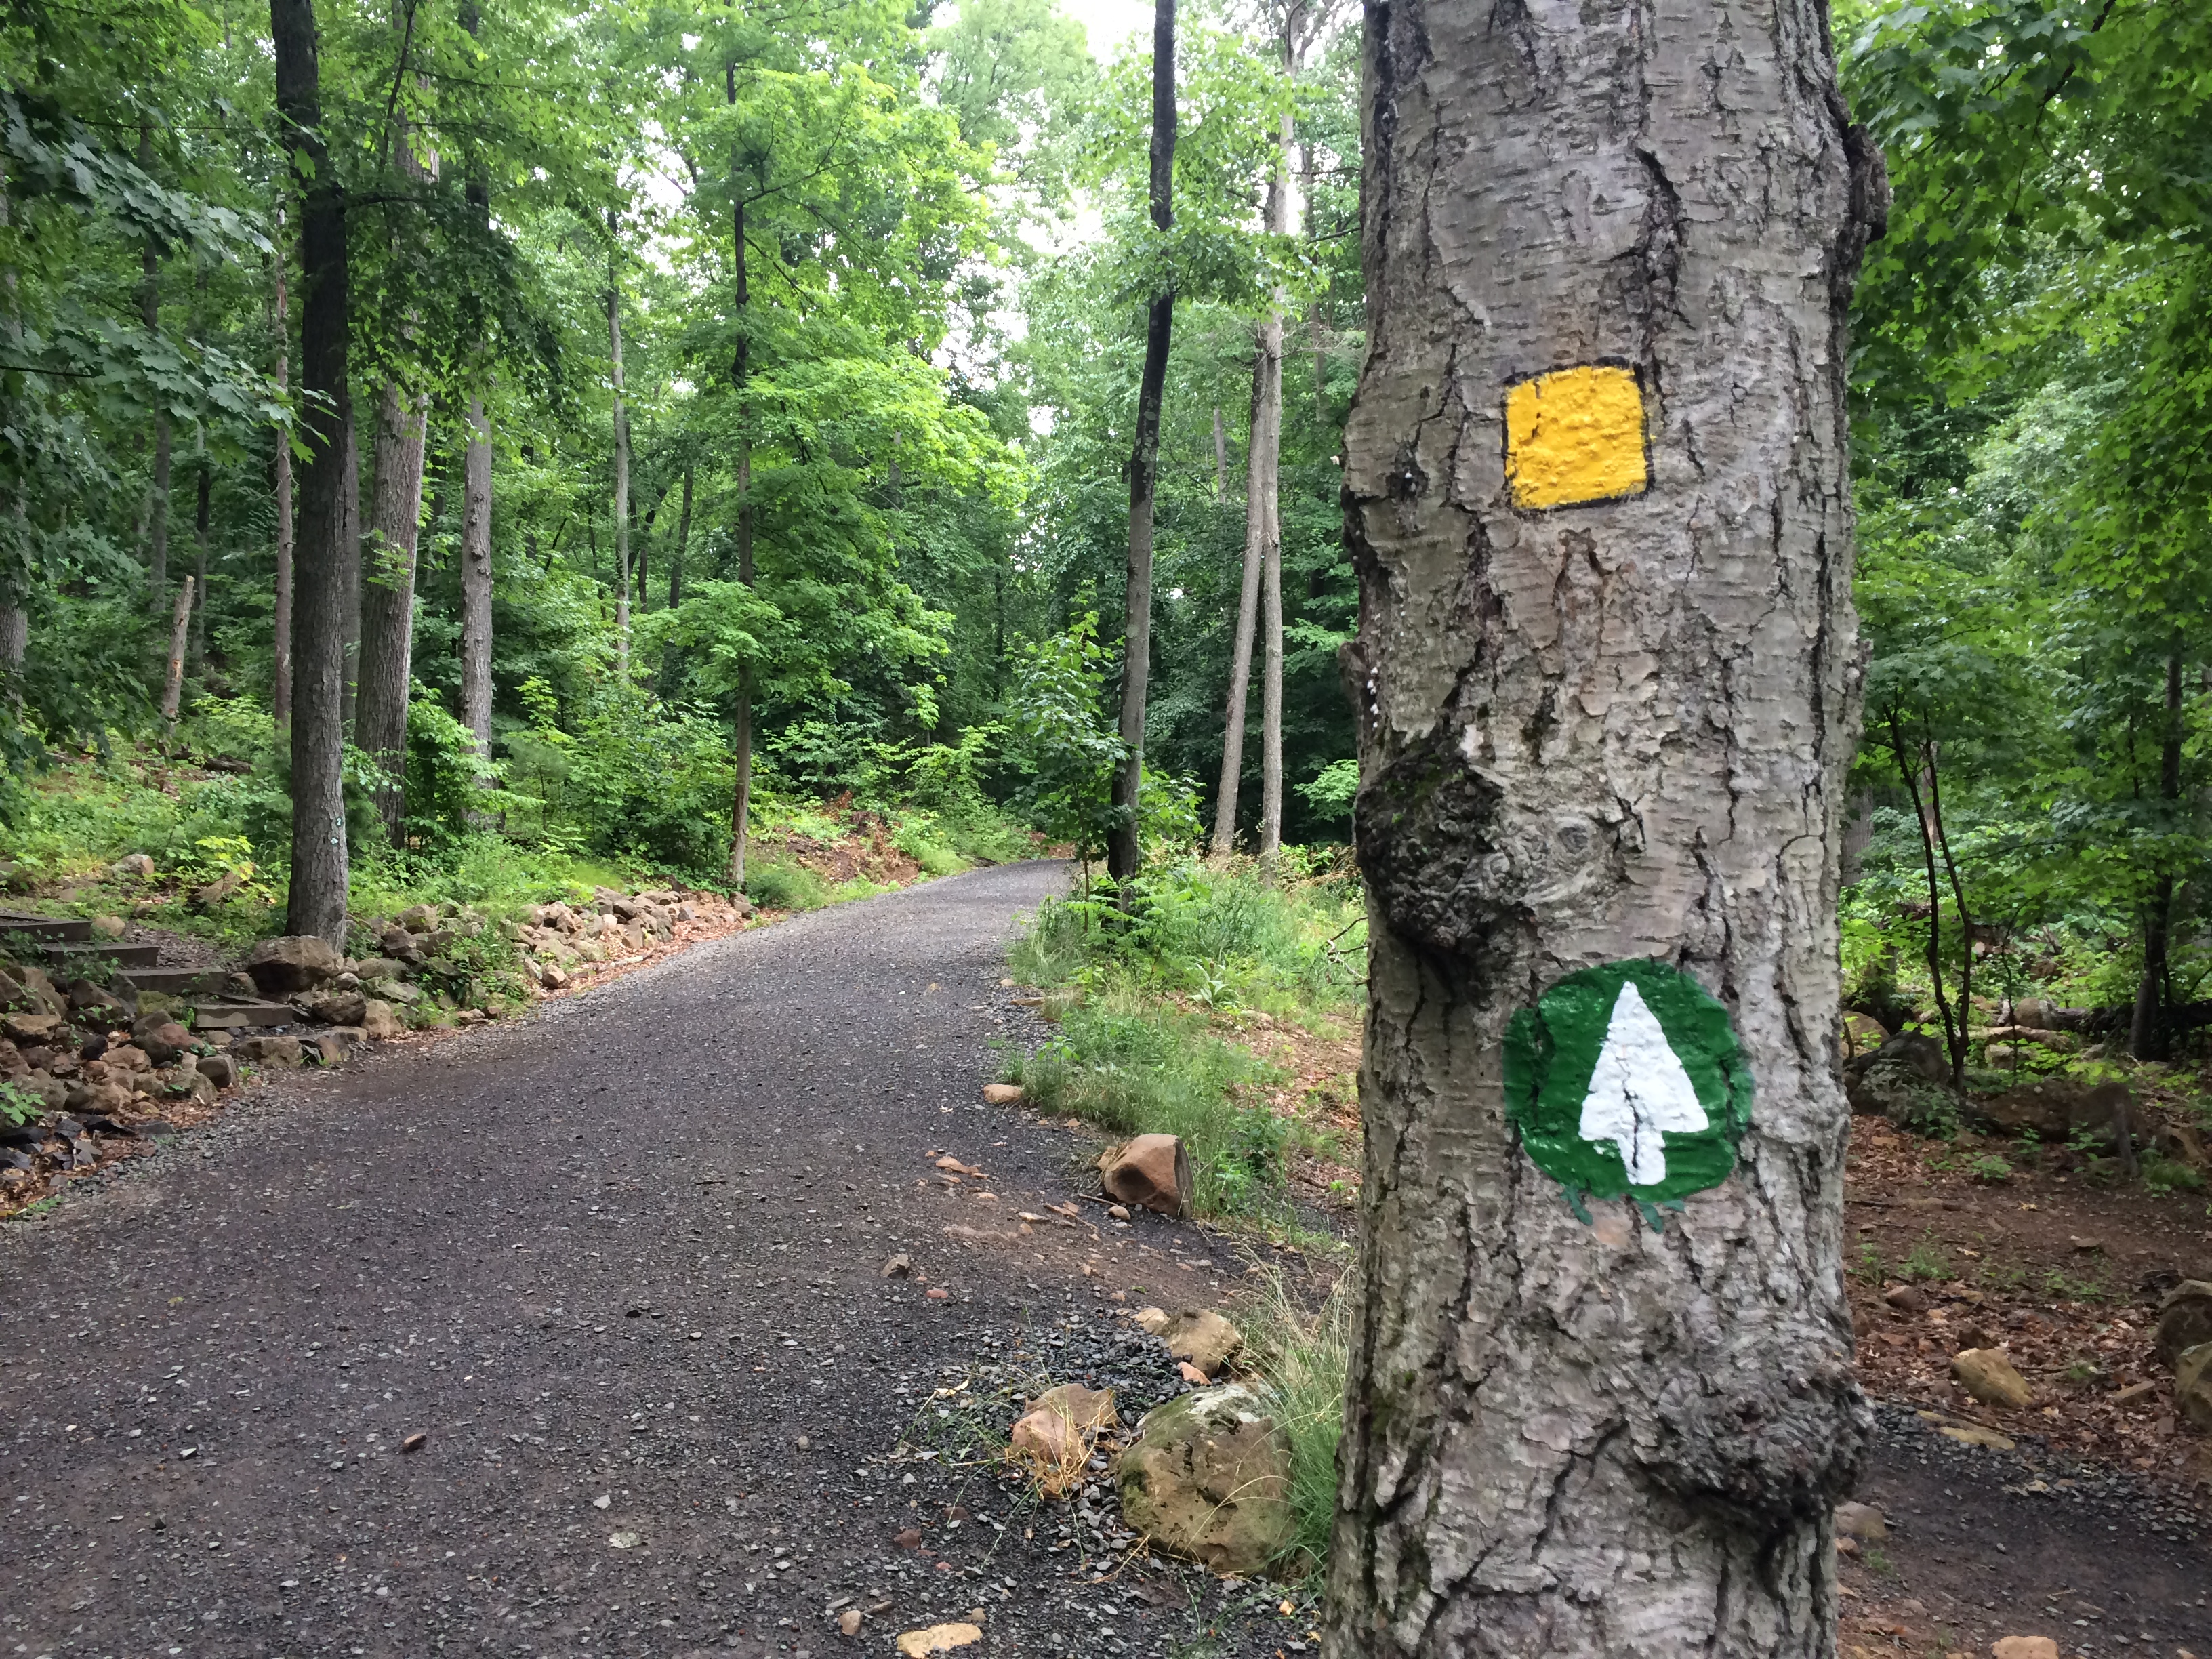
1959 1034
1911 766
2149 1036
388 599
671 656
741 726
149 314
476 579
1268 459
1607 696
1124 846
14 618
173 682
203 488
280 690
1248 609
350 572
1220 458
316 902
622 464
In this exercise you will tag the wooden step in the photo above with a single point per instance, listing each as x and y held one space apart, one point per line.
123 955
176 982
226 1014
48 930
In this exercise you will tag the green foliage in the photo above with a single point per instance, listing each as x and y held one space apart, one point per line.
781 886
18 1105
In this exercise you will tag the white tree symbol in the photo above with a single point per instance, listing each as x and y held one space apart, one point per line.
1638 1089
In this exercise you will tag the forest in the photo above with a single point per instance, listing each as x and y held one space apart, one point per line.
523 440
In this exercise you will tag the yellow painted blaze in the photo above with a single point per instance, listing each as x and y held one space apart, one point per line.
1576 434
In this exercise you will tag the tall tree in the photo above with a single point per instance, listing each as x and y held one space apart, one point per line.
1124 850
622 444
1597 489
149 314
476 492
280 687
316 900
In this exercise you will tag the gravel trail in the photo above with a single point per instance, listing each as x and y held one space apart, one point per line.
619 1264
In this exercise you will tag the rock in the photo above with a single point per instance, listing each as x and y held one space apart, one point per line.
849 1622
297 962
2185 1320
1906 1080
939 1638
107 928
395 991
98 1001
1151 1171
899 1267
207 897
330 1049
127 1057
1152 1320
268 1050
939 1293
370 969
1988 1375
163 1039
52 1092
1190 1373
1973 1434
1209 1478
414 1442
1861 1520
422 919
380 1020
185 1078
338 1008
2054 1109
1002 1094
1861 1034
2037 1014
136 867
2192 1384
1202 1337
1054 1435
551 976
1906 1298
2024 1647
220 1070
1118 1212
47 1029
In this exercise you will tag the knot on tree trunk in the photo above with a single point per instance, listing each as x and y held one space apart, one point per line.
1780 1440
1427 826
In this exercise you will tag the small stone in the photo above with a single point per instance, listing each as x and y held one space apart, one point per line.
1055 1433
939 1293
1906 1298
625 1541
603 1500
938 1638
908 1538
899 1267
107 928
1001 1094
1151 1320
1988 1374
380 1020
414 1442
220 1070
1119 1211
1861 1520
1190 1373
1204 1337
1972 1434
2025 1647
849 1622
136 866
297 962
164 1041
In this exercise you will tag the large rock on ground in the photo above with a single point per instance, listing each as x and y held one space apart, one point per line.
298 961
335 1007
2185 1319
1989 1375
2192 1385
1056 1432
1209 1478
1202 1337
1151 1171
380 1020
2055 1109
268 1050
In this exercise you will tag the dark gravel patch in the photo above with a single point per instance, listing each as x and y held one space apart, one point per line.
626 1250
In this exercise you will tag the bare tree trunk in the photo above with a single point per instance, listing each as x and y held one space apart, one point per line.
1220 458
1914 766
2148 1035
15 617
316 902
203 487
387 598
149 314
1607 690
1248 609
350 572
476 579
621 463
741 732
280 690
1124 846
671 656
173 682
1267 461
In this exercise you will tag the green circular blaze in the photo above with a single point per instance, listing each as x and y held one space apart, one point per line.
1552 1053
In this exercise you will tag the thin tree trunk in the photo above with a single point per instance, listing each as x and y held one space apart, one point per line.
280 690
741 733
1965 920
388 599
476 579
1240 647
622 461
2148 1037
149 314
173 682
1267 461
203 488
14 618
672 655
1607 702
1124 848
316 902
349 573
1220 458
1908 767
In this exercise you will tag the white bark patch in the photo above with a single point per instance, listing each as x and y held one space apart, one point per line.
1638 1088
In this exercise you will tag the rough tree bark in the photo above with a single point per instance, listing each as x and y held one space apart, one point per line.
475 503
1124 845
1248 612
387 597
203 488
1607 692
172 680
741 733
14 569
316 902
349 571
280 691
1220 458
2150 1035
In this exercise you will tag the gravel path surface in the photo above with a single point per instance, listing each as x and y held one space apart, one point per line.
620 1266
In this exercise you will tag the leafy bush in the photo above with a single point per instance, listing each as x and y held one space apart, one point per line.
779 886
